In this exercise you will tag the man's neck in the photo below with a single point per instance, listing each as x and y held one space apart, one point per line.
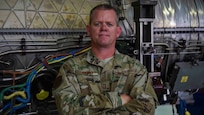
103 53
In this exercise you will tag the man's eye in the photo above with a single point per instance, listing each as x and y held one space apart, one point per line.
96 24
109 24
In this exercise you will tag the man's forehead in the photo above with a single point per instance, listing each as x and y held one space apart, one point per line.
104 15
104 10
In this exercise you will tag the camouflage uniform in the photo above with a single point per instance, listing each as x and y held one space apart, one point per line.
88 86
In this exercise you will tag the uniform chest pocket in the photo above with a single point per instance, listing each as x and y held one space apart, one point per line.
88 83
124 82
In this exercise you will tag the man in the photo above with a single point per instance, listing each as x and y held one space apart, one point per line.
103 81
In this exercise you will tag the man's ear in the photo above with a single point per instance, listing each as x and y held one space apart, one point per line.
88 30
119 31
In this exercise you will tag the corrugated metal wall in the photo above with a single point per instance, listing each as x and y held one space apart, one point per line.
180 13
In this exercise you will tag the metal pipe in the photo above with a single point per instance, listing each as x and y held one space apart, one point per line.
174 53
41 50
38 44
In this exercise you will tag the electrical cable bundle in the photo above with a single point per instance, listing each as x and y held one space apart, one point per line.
17 96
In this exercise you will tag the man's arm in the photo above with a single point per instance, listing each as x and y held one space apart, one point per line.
142 95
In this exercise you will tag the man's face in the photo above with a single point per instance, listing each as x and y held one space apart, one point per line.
103 29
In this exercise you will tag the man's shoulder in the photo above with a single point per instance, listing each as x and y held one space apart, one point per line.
127 58
128 61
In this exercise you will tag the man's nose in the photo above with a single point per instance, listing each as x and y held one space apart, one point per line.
103 26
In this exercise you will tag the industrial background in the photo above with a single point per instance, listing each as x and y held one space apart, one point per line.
37 36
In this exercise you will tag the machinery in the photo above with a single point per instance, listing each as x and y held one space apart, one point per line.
37 36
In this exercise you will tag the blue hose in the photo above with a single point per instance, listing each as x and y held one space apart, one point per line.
182 107
16 108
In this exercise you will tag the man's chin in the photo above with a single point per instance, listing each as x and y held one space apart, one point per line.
104 45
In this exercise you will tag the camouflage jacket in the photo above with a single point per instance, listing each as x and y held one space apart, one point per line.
88 86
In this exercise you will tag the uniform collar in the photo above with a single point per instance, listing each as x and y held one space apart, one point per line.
117 59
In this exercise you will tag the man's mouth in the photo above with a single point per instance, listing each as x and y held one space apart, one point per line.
103 35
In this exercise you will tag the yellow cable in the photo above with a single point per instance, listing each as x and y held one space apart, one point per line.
21 93
40 69
84 50
69 56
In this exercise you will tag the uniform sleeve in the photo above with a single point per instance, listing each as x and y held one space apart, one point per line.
68 98
144 99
